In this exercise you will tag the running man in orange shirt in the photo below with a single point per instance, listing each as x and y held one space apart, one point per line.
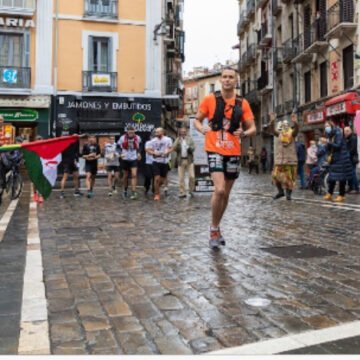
226 113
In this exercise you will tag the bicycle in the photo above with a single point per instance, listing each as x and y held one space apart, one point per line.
11 179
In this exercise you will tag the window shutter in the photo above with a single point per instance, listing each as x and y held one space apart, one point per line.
90 54
110 54
26 58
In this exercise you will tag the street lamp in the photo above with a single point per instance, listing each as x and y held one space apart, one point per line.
160 29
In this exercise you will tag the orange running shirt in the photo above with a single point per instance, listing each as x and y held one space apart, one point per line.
222 142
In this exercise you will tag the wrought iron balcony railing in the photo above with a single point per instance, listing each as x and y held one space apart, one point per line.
12 77
99 81
101 8
250 8
341 12
290 49
172 83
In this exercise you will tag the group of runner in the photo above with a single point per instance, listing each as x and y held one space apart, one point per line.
124 155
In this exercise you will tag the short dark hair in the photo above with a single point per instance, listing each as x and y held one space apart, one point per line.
131 128
228 68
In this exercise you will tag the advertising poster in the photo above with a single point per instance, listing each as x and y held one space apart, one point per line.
203 182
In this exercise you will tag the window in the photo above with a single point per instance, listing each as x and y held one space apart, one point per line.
291 25
100 54
323 79
307 86
212 87
107 8
348 66
14 50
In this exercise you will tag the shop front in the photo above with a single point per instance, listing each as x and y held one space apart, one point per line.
342 109
102 117
28 117
313 126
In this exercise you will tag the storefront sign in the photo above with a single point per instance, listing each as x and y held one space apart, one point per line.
100 80
336 109
19 115
315 117
16 22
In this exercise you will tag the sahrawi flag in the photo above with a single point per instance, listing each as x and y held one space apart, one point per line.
42 159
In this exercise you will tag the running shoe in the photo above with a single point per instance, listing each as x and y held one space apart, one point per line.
89 194
215 238
166 191
110 193
62 195
78 193
134 195
115 191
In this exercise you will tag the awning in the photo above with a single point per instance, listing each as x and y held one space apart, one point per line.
343 104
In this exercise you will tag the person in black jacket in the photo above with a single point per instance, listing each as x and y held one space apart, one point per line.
301 155
351 143
340 168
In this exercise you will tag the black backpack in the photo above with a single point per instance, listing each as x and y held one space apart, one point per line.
217 121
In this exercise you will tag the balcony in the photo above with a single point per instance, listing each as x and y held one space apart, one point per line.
250 8
264 36
173 83
301 55
18 7
251 54
101 8
12 77
340 19
278 59
263 83
290 106
289 50
242 23
276 7
100 81
314 37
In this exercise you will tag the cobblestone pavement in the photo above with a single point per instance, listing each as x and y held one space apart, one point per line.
137 277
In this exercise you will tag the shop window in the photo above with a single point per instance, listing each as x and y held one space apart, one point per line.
100 51
348 67
323 79
14 50
307 86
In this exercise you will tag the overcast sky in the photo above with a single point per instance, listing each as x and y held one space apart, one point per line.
210 32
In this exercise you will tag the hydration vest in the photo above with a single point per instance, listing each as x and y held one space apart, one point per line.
216 122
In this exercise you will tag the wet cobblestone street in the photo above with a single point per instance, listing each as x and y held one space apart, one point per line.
138 277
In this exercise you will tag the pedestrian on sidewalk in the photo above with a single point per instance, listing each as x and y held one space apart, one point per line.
226 112
184 147
285 171
129 144
311 157
340 166
263 159
159 147
91 153
351 143
112 154
148 173
301 157
70 160
253 160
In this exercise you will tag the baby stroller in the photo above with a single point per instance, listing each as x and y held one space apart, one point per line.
318 179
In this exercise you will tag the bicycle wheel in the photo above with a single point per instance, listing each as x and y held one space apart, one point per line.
16 186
